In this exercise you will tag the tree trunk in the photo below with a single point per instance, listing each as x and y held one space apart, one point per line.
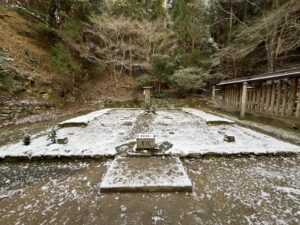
159 87
230 22
52 13
130 56
245 11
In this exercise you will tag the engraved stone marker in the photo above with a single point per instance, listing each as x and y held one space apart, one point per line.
145 141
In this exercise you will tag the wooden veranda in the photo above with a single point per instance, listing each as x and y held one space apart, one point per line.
274 94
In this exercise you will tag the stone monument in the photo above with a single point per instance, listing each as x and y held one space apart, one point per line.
147 94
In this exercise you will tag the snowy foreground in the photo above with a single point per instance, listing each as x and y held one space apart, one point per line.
191 133
226 190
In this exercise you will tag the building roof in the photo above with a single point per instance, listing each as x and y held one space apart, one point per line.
267 76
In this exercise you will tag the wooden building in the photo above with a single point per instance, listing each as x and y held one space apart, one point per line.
275 95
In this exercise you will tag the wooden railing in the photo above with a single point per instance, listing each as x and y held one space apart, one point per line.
279 96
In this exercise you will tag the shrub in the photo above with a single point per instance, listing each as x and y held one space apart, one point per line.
188 79
161 95
162 69
26 139
73 29
194 59
44 30
144 80
62 60
52 136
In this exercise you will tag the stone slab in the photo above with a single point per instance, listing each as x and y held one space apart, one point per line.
146 174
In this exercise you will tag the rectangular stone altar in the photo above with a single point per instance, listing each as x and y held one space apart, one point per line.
146 174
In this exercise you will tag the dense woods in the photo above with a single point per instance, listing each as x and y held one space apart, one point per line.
180 45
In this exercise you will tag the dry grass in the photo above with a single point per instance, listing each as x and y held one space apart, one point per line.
15 38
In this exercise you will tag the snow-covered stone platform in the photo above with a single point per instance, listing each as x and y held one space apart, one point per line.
146 174
208 118
188 132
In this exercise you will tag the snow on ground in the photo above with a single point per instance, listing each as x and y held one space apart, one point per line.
99 138
189 134
146 174
192 135
85 119
208 118
227 190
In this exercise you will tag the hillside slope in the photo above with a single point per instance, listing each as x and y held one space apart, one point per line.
26 54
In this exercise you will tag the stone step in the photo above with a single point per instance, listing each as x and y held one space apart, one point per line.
146 174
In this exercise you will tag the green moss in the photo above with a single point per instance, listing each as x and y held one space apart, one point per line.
56 100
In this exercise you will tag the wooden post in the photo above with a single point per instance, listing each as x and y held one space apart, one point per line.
249 94
225 97
257 100
262 100
230 97
239 96
284 100
213 96
278 99
253 99
298 106
292 96
236 97
272 103
268 98
244 101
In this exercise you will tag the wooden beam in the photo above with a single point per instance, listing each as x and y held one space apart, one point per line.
264 77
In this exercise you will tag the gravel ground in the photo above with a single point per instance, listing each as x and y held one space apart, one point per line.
227 190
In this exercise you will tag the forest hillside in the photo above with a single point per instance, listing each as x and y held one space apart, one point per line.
68 51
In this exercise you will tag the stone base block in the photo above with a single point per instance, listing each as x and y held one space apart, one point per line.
146 174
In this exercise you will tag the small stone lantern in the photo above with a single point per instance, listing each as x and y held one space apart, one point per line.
147 94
